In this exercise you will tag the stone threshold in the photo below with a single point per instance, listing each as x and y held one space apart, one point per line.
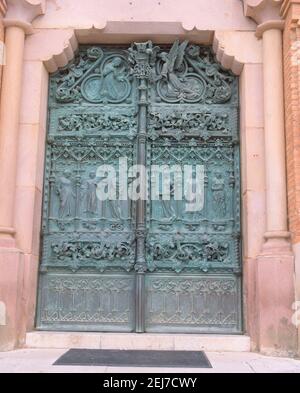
132 341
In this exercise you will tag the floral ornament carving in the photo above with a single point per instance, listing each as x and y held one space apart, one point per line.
218 81
182 253
77 254
94 122
185 252
94 250
68 81
179 125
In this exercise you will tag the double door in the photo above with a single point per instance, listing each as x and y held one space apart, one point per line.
125 263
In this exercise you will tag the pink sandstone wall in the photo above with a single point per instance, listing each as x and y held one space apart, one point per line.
205 15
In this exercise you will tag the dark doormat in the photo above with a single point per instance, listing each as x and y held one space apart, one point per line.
116 358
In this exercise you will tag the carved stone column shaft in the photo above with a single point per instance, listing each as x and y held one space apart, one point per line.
274 131
9 126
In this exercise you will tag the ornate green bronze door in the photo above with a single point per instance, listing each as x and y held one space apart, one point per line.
145 265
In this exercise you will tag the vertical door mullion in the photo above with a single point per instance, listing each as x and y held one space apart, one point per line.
141 264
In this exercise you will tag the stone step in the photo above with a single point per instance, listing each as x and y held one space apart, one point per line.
209 343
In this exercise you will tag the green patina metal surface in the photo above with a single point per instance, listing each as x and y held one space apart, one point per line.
147 265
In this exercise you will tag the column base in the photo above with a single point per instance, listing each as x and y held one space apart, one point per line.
12 316
7 237
275 296
277 243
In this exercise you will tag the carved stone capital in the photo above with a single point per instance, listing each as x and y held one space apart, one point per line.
23 12
266 13
262 11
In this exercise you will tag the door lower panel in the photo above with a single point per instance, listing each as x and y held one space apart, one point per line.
193 303
87 302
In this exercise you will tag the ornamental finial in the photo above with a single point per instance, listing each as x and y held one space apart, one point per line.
142 57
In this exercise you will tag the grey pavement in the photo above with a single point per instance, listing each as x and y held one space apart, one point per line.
41 361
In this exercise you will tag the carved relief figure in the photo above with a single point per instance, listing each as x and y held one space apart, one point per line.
110 209
173 63
114 86
91 196
219 195
66 194
192 215
111 84
168 211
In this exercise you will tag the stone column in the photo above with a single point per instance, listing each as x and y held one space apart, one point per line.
9 127
275 289
20 14
277 230
275 265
